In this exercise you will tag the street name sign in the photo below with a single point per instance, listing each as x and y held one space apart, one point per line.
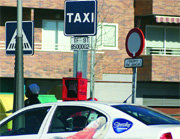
80 18
27 37
79 43
133 62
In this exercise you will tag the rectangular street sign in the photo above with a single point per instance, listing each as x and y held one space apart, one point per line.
133 62
27 37
79 43
80 17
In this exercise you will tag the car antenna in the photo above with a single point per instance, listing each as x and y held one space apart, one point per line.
127 99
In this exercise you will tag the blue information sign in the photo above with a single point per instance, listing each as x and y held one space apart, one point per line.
27 35
80 17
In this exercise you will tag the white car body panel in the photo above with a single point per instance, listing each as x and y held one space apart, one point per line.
138 130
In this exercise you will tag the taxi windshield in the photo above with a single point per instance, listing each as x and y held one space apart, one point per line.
146 115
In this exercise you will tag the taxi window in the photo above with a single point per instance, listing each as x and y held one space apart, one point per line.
72 118
146 115
24 123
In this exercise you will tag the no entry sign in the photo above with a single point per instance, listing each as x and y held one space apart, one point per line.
135 42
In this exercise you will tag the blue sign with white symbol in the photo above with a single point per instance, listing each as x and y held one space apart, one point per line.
121 125
27 36
80 17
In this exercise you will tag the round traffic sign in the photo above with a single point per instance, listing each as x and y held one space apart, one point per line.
135 42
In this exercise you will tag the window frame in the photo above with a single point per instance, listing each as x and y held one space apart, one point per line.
71 113
23 113
147 115
102 45
162 50
56 46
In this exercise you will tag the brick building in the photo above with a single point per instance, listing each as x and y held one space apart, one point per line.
158 80
160 76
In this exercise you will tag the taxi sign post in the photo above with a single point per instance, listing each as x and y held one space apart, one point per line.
134 46
81 22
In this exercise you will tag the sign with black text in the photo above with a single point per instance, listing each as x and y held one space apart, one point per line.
80 43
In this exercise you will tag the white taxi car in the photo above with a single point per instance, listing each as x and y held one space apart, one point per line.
64 119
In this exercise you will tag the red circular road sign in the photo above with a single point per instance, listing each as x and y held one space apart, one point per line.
135 42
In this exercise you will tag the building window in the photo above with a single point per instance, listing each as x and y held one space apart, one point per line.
163 40
53 36
107 36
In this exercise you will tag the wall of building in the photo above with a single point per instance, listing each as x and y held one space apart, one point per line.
50 4
113 92
56 64
166 7
46 64
41 65
160 68
156 67
143 7
160 7
113 88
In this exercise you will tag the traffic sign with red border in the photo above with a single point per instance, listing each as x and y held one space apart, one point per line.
135 42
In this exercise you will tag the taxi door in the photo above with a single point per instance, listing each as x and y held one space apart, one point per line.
26 123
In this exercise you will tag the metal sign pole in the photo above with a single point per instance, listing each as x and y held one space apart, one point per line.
92 70
134 46
134 85
79 61
19 77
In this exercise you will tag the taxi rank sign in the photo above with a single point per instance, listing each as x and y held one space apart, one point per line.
80 18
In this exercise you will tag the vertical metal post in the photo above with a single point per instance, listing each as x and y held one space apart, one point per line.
19 73
75 63
84 64
134 84
92 70
79 60
80 63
